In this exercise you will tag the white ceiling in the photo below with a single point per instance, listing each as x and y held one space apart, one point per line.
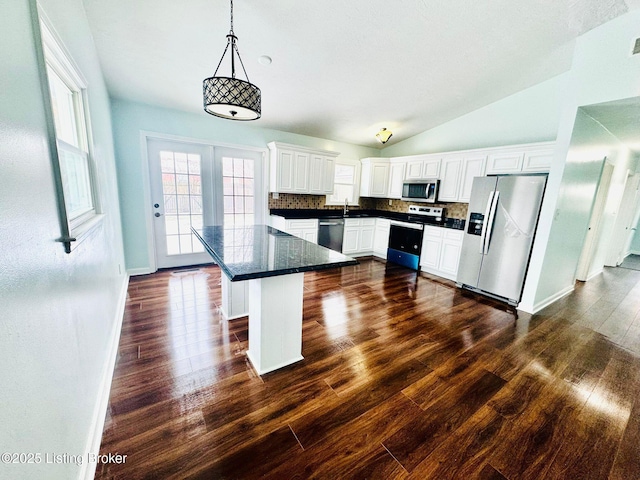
343 68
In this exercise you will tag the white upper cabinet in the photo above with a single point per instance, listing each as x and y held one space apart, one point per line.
374 180
295 169
421 167
522 159
396 178
538 160
450 172
472 166
505 162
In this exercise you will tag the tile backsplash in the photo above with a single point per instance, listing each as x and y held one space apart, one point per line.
291 200
452 210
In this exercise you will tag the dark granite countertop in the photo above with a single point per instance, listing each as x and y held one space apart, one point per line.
292 213
258 251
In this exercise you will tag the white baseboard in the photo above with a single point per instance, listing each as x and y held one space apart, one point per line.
88 469
547 301
594 275
140 271
634 252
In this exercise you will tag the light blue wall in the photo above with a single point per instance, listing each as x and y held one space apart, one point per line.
528 116
57 310
129 119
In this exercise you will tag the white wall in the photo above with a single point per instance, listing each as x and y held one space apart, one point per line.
129 119
57 310
603 70
525 117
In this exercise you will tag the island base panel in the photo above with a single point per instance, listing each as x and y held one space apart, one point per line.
275 322
235 299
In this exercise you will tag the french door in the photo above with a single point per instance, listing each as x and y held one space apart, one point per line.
194 185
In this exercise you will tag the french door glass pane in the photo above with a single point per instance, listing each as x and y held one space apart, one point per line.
182 191
238 190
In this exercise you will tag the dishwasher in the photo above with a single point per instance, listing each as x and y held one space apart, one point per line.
330 231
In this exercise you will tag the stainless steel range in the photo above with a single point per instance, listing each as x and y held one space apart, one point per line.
405 238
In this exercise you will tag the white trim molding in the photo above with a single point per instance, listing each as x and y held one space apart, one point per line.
546 302
88 469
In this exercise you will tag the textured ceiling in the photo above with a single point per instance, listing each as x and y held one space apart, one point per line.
343 69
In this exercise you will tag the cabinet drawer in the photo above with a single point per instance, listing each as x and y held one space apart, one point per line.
454 235
298 224
433 231
368 222
352 222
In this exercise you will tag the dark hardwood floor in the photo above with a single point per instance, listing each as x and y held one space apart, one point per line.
403 377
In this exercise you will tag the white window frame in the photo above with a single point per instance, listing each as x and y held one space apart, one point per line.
56 57
356 183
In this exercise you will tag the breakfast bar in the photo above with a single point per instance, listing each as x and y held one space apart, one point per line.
265 269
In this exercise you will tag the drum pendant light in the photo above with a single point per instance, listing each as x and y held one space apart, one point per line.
230 97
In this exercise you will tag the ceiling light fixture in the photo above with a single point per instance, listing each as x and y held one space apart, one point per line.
230 97
384 135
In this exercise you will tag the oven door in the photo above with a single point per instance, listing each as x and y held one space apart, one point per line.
405 243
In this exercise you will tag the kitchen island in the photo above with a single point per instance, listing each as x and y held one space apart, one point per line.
272 263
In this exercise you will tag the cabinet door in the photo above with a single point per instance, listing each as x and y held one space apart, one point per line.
430 253
414 169
396 178
328 174
366 239
450 256
537 160
310 235
450 179
296 232
316 174
381 238
284 171
510 162
379 179
472 167
431 168
301 173
350 240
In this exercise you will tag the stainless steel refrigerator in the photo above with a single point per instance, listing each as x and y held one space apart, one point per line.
501 224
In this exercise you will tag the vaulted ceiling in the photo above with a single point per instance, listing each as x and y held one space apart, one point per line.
343 69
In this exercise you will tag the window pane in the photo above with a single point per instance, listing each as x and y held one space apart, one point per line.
184 224
182 182
75 181
248 168
184 204
238 167
238 205
194 164
168 182
185 244
248 187
170 204
181 162
344 173
227 184
195 185
238 186
166 162
171 224
228 204
64 115
173 245
248 205
196 205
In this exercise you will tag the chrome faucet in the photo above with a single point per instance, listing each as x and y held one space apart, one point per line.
346 206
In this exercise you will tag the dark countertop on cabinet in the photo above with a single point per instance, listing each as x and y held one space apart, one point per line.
259 251
293 213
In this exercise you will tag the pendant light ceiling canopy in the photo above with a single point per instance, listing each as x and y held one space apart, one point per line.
230 97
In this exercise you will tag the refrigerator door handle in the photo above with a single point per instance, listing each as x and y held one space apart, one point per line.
483 232
492 217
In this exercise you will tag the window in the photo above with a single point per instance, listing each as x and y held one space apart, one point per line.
238 191
67 91
346 183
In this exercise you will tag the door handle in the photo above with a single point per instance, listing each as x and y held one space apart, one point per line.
487 210
157 214
492 217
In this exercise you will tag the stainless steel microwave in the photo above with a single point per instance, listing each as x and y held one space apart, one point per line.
421 190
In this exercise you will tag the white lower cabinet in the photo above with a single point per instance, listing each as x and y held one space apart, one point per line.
358 236
381 237
306 228
440 254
